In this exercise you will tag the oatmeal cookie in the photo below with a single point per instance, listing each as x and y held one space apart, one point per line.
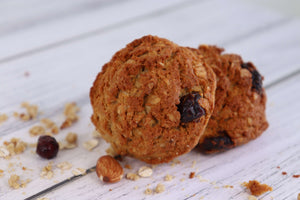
239 114
153 100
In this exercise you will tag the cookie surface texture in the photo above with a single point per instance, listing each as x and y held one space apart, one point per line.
239 114
152 101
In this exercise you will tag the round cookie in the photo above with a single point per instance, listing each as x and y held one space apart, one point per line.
153 100
239 114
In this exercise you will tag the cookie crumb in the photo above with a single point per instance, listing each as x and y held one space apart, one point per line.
90 144
37 130
127 166
168 177
296 176
256 188
284 173
132 176
182 179
148 191
145 171
3 118
160 188
47 171
79 171
110 151
298 197
228 186
192 175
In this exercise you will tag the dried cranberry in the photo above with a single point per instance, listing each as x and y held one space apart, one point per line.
256 77
215 144
47 147
189 108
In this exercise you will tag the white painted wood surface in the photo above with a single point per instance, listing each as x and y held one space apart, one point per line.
63 44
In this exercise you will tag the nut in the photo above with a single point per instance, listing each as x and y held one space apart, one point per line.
109 170
145 171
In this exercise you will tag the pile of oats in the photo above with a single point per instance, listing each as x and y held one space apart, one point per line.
15 182
70 141
14 146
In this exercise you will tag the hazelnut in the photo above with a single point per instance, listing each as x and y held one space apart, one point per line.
109 170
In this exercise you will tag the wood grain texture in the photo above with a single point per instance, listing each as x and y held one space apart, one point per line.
63 58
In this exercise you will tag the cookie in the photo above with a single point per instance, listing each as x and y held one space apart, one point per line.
153 99
239 114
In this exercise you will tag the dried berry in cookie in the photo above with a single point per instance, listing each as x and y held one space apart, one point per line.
239 114
153 100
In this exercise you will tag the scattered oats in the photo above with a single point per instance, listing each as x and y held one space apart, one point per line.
127 166
15 146
90 144
182 179
4 153
132 176
110 151
64 165
43 198
202 179
251 197
78 171
71 138
168 177
24 183
65 145
48 123
70 112
136 187
3 118
145 171
96 134
32 112
14 181
47 171
36 130
32 145
160 188
192 175
216 187
148 191
193 164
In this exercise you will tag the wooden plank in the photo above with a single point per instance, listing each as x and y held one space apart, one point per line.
79 25
19 15
259 159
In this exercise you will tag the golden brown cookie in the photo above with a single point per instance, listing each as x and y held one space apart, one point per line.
153 100
239 114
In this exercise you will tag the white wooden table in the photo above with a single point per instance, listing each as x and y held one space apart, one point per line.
63 44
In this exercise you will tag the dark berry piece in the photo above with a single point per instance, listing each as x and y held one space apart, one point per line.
216 144
47 147
189 108
256 77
